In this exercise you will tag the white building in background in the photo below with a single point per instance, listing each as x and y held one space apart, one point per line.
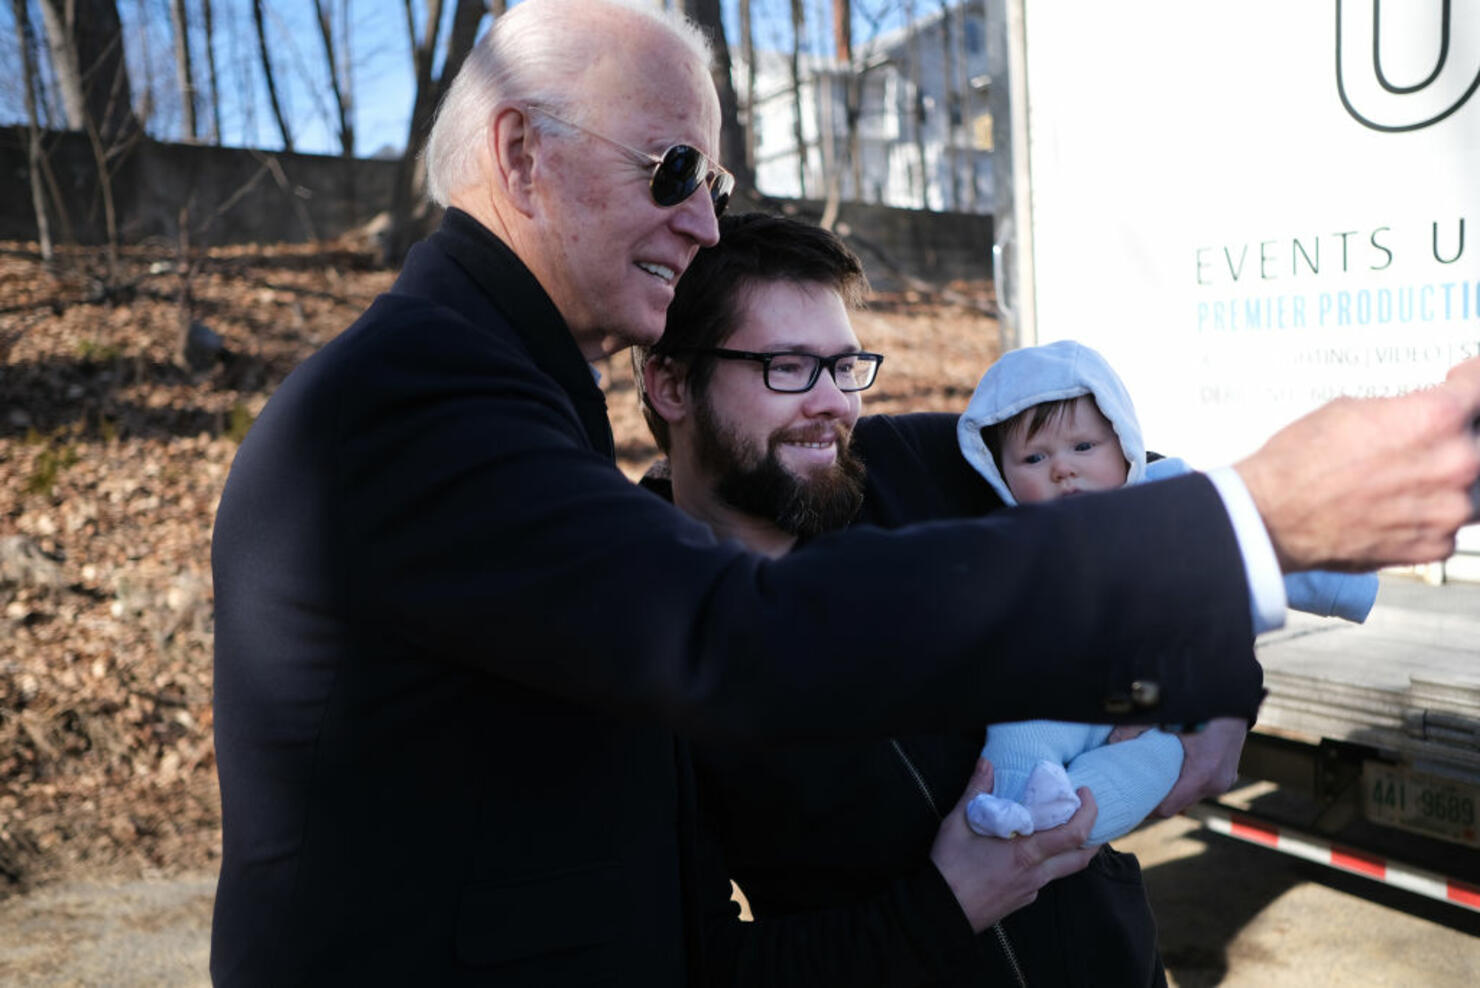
924 133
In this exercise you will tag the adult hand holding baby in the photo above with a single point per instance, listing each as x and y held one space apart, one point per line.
992 877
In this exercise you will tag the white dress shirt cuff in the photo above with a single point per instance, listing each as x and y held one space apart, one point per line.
1261 568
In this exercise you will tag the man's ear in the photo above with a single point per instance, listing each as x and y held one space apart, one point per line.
511 151
665 382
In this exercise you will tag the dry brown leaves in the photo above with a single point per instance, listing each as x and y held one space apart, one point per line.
112 459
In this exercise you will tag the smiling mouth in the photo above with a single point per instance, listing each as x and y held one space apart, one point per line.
661 272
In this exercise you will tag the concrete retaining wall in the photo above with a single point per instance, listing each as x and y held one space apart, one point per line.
233 195
236 195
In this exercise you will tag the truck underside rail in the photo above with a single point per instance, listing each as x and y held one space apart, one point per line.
1355 861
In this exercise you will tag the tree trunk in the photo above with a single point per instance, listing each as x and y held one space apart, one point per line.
211 72
183 73
968 129
798 25
852 90
732 139
410 175
272 95
85 38
86 42
918 110
854 98
341 91
953 104
33 143
747 46
827 138
64 68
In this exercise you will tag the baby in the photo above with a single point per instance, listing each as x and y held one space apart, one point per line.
1047 422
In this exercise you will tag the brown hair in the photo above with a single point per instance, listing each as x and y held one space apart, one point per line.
753 249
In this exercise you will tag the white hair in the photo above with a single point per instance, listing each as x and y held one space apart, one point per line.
530 54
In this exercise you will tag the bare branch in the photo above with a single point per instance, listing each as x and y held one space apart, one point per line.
277 110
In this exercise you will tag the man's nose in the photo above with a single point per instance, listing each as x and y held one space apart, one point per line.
695 219
826 398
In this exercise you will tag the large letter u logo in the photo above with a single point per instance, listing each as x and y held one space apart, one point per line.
1364 35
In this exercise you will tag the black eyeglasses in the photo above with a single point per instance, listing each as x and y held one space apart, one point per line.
677 172
793 373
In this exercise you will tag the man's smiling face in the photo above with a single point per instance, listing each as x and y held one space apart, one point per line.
610 255
783 456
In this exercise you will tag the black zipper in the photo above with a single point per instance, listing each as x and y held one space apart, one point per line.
1007 950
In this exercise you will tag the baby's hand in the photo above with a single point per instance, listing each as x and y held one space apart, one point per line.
993 816
1210 767
1127 732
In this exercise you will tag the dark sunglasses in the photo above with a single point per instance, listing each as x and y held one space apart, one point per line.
677 172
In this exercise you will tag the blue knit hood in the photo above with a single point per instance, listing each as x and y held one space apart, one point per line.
1033 375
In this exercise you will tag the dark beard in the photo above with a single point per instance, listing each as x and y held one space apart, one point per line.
763 488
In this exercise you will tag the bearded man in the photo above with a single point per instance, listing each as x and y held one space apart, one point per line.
754 393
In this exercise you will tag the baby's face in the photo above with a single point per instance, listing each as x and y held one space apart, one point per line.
1073 453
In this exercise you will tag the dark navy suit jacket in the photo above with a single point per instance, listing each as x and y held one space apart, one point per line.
454 648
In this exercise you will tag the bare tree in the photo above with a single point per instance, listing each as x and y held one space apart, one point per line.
259 17
798 28
843 48
852 87
968 110
33 142
954 109
215 104
338 80
917 99
410 176
184 73
85 38
732 139
747 47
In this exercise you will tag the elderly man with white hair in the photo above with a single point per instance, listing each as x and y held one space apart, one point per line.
456 649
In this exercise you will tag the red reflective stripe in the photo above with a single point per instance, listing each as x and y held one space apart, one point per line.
1468 895
1358 861
1250 829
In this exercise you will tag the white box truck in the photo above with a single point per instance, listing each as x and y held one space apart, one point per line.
1251 206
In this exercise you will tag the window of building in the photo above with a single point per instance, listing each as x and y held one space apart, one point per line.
973 36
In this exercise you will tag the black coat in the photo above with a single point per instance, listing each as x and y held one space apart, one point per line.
830 843
454 646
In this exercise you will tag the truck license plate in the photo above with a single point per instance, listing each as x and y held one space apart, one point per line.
1425 804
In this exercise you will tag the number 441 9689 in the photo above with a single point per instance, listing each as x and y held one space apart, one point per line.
1423 803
